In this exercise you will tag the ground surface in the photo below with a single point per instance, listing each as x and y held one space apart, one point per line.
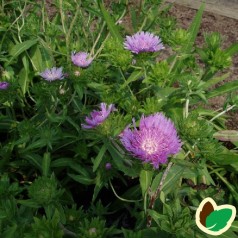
210 23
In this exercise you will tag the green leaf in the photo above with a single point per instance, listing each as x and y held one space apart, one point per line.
194 28
34 160
47 56
226 88
79 168
99 158
99 185
234 225
156 182
145 180
225 158
24 75
35 145
46 164
228 234
10 231
41 58
74 124
213 81
36 59
149 233
110 23
218 219
20 48
233 49
157 217
28 203
172 178
68 162
226 135
133 77
82 179
120 162
134 19
62 162
183 163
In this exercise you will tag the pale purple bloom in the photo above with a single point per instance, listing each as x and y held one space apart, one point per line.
154 141
143 42
98 117
81 59
52 74
4 85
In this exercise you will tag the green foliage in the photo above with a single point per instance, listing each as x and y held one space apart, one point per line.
179 38
212 54
8 189
210 148
45 228
94 228
159 75
195 128
44 190
116 55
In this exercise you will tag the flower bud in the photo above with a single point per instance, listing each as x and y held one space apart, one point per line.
108 166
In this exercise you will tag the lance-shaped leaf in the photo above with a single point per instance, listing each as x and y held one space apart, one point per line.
145 180
226 135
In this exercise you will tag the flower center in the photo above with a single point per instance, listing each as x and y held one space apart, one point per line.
144 44
52 76
149 146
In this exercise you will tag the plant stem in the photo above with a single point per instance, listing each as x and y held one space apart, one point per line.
68 232
108 34
101 47
96 41
62 16
229 186
72 23
125 81
170 70
186 108
157 192
223 112
117 146
43 14
122 199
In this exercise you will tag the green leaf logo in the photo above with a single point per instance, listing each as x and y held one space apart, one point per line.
213 219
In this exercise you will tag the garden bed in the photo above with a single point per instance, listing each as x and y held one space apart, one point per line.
227 27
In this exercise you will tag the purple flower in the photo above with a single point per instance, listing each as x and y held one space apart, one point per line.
52 74
98 117
81 59
4 85
143 42
154 141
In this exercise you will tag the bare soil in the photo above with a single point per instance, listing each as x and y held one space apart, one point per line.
228 29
